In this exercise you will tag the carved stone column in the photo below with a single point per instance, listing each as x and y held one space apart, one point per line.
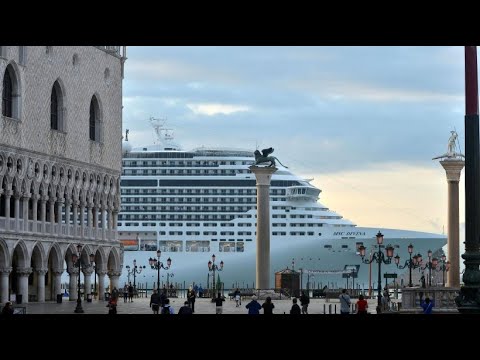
23 274
109 218
75 216
43 211
87 281
52 213
114 277
59 215
102 215
82 217
17 210
101 284
35 198
41 285
4 273
89 215
95 216
115 219
72 285
57 274
68 203
8 195
25 199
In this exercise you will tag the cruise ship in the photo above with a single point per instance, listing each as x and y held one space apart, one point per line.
193 204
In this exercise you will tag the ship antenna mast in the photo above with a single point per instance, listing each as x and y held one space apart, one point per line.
158 126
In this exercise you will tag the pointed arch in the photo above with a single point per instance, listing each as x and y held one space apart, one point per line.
4 254
113 262
57 111
95 119
11 92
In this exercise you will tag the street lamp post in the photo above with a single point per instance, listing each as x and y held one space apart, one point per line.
156 264
431 264
444 267
135 270
213 267
77 262
412 263
380 258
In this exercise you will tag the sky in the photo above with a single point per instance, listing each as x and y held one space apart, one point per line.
363 122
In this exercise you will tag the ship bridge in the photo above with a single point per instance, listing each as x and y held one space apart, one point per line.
302 193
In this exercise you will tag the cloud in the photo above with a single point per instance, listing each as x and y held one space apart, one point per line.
214 109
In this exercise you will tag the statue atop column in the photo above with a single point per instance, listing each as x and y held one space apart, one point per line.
451 148
264 157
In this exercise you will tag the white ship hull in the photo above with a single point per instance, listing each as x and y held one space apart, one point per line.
308 254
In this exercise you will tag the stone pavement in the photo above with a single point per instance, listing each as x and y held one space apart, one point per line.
202 306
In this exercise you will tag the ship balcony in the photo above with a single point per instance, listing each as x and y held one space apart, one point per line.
55 230
302 193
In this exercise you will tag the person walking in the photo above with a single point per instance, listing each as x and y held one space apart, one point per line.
219 304
344 302
130 292
125 293
268 306
191 299
7 309
237 297
167 309
155 302
253 306
304 301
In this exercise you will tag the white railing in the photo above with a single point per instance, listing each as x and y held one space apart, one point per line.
3 223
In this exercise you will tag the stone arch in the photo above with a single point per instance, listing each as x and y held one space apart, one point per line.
20 251
55 268
96 118
55 258
12 90
4 254
113 261
57 106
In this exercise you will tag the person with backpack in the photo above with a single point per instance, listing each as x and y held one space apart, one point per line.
219 304
185 309
155 302
427 305
344 303
253 306
167 309
295 310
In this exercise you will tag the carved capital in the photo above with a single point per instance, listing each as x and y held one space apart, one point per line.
41 272
87 271
6 270
101 272
26 196
8 193
57 272
24 271
73 270
112 273
43 199
52 199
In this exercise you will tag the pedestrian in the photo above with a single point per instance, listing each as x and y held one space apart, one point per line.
155 302
112 305
295 310
191 299
7 309
362 305
427 305
219 304
125 293
185 309
253 306
115 293
167 309
130 292
344 302
304 301
268 306
237 297
200 291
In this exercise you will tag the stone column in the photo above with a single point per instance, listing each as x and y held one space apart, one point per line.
52 213
41 285
72 286
8 195
68 202
453 168
57 273
89 214
35 198
4 273
87 273
114 277
75 216
59 215
17 210
101 284
115 219
95 217
25 199
263 176
22 286
82 218
43 211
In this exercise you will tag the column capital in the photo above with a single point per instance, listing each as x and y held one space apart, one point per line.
52 199
36 197
43 199
61 200
5 270
57 271
112 273
24 271
8 193
73 270
26 196
101 272
263 174
87 271
453 168
17 196
41 272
